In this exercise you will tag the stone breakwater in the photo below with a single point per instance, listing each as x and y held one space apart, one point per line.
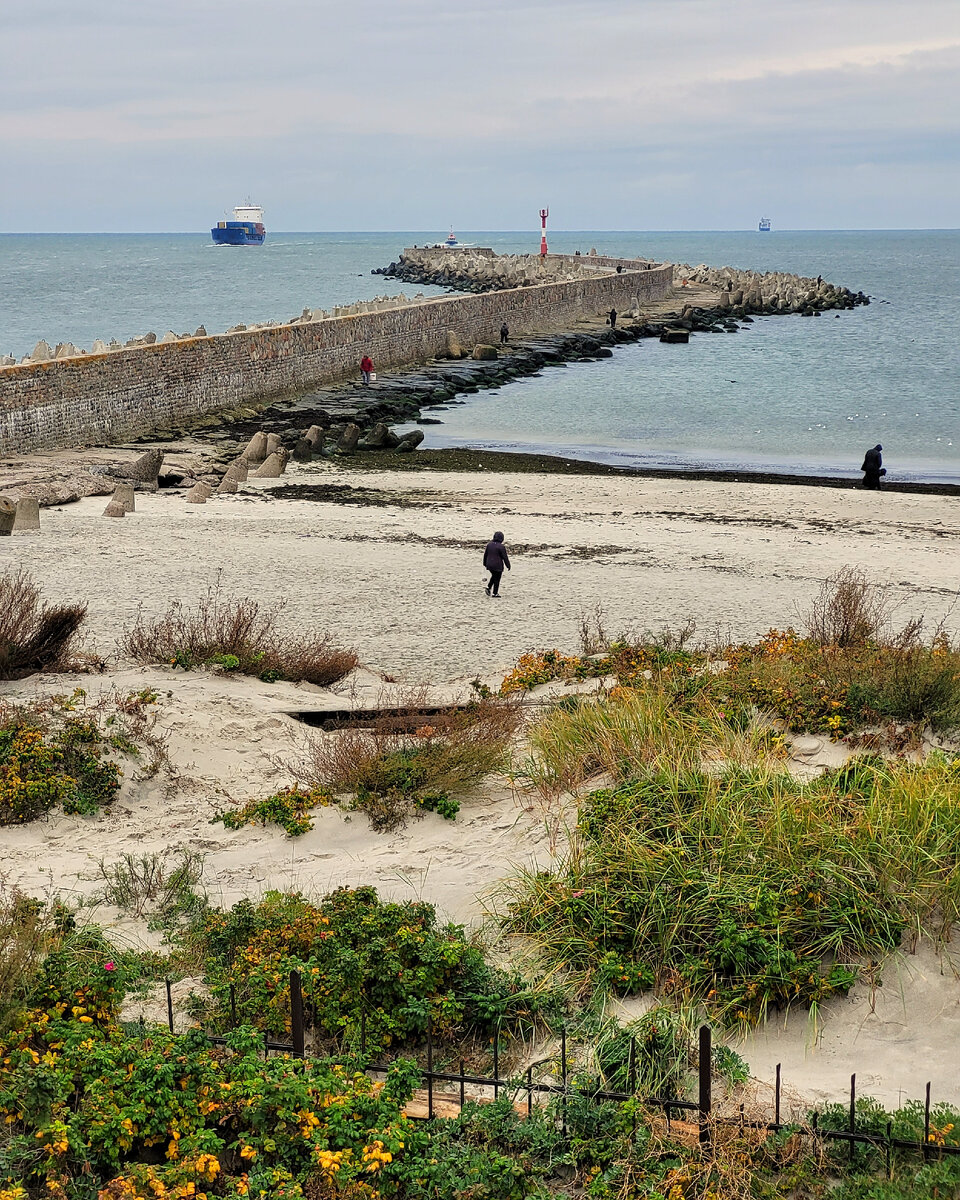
770 293
481 270
114 395
740 291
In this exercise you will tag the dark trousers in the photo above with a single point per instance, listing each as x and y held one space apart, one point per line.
494 585
871 479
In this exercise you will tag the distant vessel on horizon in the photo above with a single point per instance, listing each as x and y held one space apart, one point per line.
451 239
246 228
764 226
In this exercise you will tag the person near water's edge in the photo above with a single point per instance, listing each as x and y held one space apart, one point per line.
504 334
366 368
873 467
495 559
612 318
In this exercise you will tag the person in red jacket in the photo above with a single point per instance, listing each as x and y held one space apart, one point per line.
495 560
366 368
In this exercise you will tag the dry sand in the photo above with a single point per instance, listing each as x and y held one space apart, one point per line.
401 581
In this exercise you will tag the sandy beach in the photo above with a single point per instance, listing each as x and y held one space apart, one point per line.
392 568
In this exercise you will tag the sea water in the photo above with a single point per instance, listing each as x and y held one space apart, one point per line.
802 394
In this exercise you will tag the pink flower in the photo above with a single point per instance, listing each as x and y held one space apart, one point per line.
109 966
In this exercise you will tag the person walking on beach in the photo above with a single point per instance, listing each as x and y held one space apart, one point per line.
504 334
366 368
495 559
612 318
873 467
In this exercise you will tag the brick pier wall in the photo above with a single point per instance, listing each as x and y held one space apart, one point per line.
103 398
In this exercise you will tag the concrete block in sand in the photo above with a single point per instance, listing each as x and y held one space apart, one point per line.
228 485
348 439
272 468
239 469
303 451
27 519
200 493
114 509
273 443
256 448
314 435
485 353
124 494
8 514
146 469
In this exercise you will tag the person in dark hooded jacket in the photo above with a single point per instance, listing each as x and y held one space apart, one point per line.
873 467
495 559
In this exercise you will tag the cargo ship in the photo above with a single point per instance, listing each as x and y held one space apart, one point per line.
246 228
764 225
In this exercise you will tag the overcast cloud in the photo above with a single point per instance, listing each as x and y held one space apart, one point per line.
410 114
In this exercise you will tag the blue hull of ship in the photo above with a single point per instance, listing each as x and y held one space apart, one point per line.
237 233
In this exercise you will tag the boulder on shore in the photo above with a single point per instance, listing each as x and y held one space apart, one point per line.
675 336
349 439
410 441
485 353
200 493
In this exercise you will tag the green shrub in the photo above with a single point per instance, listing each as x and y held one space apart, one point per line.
289 808
51 756
361 959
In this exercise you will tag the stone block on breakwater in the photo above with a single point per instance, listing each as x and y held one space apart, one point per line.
27 519
8 514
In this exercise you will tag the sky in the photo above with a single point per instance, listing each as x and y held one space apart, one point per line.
416 114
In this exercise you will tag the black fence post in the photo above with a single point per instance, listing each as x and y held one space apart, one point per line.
363 1033
563 1076
233 1005
169 1005
529 1090
496 1062
853 1114
430 1069
776 1099
926 1126
296 1014
463 1081
632 1067
706 1081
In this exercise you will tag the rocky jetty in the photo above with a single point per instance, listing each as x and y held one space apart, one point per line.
482 270
771 293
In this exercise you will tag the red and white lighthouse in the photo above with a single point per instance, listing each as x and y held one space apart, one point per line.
544 213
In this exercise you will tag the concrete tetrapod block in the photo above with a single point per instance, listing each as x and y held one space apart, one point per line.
273 443
314 435
124 494
114 509
146 469
303 451
228 485
348 439
410 441
8 514
256 448
200 493
272 468
27 519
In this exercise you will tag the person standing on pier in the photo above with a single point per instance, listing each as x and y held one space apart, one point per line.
504 334
495 560
873 467
366 368
612 318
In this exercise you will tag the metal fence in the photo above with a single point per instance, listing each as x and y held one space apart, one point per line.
701 1109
